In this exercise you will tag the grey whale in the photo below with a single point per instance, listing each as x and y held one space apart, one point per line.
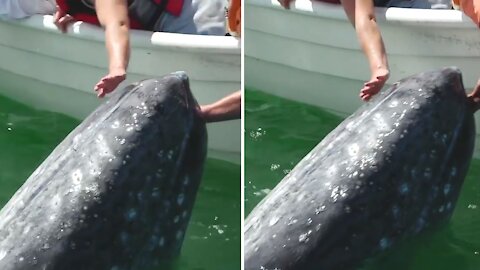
390 171
118 192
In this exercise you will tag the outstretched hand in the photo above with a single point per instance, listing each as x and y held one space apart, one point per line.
375 84
110 82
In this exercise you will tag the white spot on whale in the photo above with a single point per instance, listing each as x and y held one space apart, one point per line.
320 209
393 104
179 235
384 243
273 221
180 199
161 243
447 188
453 172
115 124
77 177
404 188
131 214
303 238
3 253
353 149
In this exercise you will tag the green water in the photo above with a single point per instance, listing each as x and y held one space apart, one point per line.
279 133
27 137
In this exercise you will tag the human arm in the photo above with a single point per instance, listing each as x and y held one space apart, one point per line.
113 16
227 108
361 14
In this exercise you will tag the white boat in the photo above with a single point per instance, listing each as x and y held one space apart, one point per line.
310 53
46 69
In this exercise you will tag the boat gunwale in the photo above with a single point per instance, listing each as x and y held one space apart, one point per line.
443 18
139 39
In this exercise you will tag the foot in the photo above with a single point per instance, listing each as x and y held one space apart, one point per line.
110 82
375 84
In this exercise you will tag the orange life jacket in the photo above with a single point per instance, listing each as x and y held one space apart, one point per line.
143 14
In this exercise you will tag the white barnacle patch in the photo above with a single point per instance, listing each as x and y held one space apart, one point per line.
27 228
170 154
319 209
384 243
335 193
273 221
396 211
56 201
180 199
155 192
291 221
453 172
353 149
176 219
124 237
447 188
102 147
115 124
77 177
309 221
427 173
403 188
161 243
93 189
3 253
186 180
441 209
380 122
179 235
393 104
449 205
131 214
303 238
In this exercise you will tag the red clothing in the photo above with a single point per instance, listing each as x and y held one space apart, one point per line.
80 12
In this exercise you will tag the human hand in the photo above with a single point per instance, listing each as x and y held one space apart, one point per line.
285 3
474 97
110 82
62 20
375 84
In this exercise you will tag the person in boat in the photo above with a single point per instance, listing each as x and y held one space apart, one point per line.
19 9
361 14
227 108
204 17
